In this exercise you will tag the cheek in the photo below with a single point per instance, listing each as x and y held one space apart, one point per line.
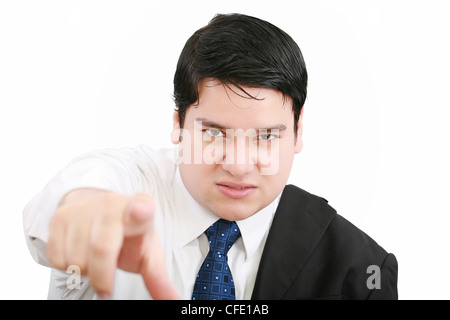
286 160
197 176
277 177
276 160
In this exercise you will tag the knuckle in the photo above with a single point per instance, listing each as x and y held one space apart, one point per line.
99 248
108 199
103 246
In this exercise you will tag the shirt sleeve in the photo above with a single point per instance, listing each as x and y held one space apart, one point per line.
116 170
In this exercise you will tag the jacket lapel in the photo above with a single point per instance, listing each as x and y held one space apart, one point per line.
298 225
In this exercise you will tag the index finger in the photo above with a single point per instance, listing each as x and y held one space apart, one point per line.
154 272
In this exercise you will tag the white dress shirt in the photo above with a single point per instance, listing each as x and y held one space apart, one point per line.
180 222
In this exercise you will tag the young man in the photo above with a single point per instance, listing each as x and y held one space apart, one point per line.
213 218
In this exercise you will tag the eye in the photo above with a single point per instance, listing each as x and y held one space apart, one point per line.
214 132
267 137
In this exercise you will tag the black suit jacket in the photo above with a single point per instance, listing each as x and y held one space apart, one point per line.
313 253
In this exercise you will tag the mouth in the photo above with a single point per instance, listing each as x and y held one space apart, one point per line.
236 190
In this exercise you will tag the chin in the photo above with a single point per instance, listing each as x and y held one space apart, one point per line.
235 217
236 213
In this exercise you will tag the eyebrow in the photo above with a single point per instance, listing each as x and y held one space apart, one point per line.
208 123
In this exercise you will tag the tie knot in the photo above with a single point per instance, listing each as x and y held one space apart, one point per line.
222 235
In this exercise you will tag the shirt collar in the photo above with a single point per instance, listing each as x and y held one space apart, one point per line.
193 219
255 228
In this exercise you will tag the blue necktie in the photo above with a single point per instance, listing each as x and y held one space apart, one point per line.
214 280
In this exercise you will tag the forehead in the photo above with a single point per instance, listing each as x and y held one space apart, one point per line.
231 106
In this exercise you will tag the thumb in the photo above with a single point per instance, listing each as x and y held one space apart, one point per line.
139 214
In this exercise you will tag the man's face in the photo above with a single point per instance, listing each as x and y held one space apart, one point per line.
237 152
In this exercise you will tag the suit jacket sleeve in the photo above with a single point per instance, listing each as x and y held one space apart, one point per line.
388 280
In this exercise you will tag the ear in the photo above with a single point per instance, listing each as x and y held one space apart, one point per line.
176 131
299 138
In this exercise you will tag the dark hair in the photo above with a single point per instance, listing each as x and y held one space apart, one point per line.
240 50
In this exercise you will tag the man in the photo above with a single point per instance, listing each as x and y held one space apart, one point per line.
212 219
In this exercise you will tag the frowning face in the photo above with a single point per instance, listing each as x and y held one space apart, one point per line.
237 152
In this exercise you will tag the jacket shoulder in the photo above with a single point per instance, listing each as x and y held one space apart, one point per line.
345 256
339 229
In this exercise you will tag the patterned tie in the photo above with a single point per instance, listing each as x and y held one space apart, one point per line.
214 280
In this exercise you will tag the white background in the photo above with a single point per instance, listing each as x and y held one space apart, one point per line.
82 75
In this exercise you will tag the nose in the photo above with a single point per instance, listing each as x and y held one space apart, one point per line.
238 170
240 159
